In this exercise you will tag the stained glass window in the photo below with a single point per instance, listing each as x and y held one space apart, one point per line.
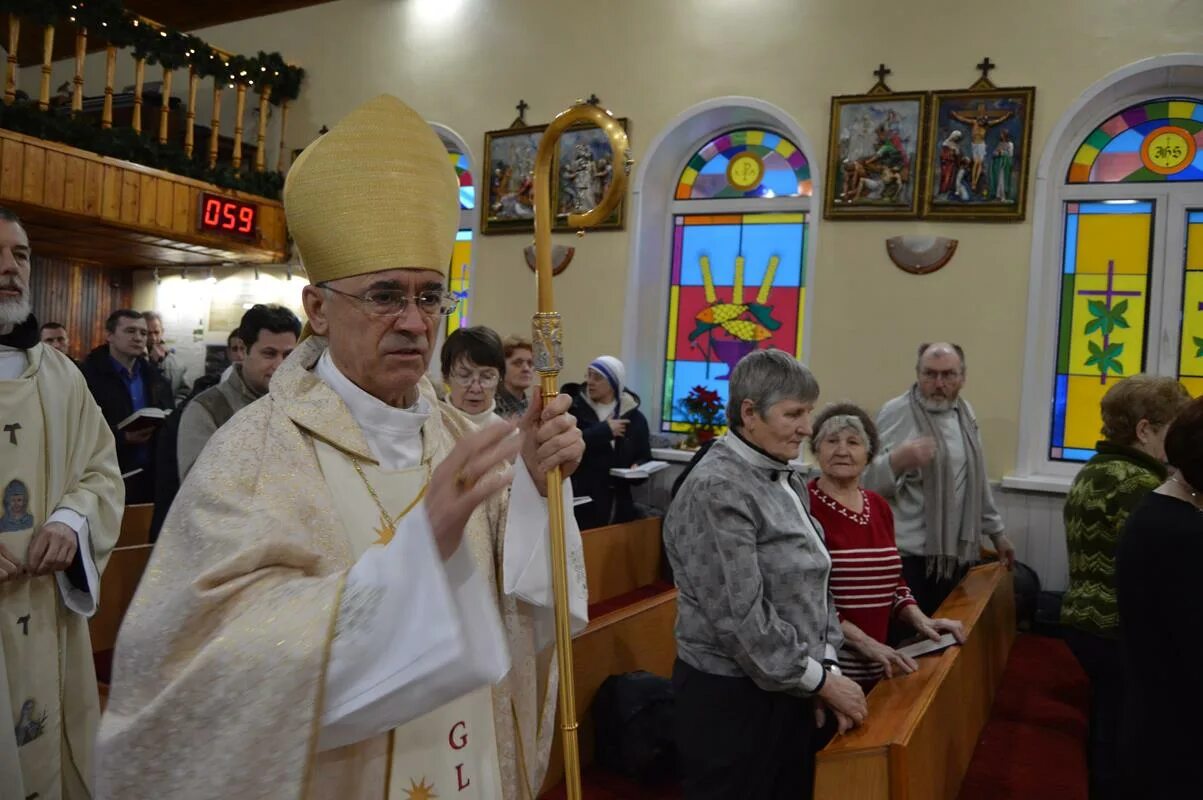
1190 356
1152 142
1105 272
738 284
746 163
463 172
459 274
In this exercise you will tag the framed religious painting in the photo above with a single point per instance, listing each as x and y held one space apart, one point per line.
875 156
509 180
585 167
979 148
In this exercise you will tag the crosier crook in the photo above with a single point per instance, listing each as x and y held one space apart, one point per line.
549 359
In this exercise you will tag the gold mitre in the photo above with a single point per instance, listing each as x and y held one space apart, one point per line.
376 192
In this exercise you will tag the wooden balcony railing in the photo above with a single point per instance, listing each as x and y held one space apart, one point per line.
267 76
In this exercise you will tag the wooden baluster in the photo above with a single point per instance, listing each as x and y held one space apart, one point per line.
47 60
240 108
81 50
14 35
283 125
139 77
110 75
215 131
165 107
189 133
260 156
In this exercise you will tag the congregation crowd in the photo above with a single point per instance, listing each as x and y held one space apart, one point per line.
797 583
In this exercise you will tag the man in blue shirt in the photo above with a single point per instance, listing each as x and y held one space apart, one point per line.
123 381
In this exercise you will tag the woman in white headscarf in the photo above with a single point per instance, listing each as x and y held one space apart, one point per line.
616 435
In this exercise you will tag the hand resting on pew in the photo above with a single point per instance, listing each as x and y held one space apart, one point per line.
844 698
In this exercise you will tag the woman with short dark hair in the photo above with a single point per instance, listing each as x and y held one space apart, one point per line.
1160 606
757 632
473 365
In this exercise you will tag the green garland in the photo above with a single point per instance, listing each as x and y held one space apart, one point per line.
109 21
76 130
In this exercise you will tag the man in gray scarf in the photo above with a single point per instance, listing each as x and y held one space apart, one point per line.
932 471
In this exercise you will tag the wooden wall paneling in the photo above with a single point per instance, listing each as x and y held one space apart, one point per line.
34 169
56 179
129 196
93 188
165 198
75 180
110 197
147 199
12 170
181 218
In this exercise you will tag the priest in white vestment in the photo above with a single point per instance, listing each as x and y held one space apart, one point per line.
346 601
61 512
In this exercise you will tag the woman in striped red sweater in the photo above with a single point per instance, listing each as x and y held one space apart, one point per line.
866 570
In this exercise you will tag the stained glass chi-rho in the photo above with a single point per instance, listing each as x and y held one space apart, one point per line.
770 166
1103 315
737 284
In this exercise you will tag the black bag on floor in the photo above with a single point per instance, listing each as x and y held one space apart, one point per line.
633 723
1027 593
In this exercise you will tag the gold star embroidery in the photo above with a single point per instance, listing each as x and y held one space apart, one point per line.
384 534
420 791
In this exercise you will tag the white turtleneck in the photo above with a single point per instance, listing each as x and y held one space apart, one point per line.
394 435
486 417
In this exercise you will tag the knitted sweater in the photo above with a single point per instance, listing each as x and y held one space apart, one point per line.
1105 491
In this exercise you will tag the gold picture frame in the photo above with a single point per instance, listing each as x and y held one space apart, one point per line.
875 155
979 149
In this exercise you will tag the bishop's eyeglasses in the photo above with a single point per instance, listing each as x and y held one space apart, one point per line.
394 302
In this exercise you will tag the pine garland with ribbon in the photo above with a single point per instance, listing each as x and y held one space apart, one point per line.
110 22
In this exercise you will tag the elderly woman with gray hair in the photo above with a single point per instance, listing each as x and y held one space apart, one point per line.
757 632
866 569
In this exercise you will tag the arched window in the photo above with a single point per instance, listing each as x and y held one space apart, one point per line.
460 278
459 274
738 261
1117 284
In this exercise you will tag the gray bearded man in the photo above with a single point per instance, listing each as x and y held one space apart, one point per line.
344 603
63 496
933 472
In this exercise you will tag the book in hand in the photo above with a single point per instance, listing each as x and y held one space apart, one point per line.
142 419
640 471
927 646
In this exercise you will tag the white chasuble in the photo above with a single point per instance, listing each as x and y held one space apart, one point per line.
29 705
48 704
452 750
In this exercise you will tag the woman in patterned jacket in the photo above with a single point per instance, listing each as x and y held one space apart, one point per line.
1129 463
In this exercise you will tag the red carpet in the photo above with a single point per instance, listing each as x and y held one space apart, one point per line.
1034 746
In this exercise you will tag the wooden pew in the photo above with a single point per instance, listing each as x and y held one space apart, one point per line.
636 637
120 578
621 558
922 728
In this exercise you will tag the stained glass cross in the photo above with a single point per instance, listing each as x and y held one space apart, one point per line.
1108 295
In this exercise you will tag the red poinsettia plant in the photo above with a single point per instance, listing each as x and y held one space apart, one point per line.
703 410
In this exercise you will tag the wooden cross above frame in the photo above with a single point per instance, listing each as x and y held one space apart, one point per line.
880 87
984 82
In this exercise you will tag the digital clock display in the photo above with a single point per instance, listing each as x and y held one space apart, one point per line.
227 217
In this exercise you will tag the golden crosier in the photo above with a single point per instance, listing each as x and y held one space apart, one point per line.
549 361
